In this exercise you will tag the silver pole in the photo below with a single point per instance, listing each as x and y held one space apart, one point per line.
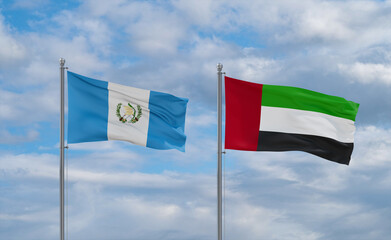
62 68
219 152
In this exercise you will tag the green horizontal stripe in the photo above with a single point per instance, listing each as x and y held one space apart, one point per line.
303 99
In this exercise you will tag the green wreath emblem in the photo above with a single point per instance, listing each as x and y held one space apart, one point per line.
130 113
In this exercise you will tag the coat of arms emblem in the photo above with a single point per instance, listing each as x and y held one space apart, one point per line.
128 114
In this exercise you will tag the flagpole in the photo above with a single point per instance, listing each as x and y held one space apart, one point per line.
219 151
62 68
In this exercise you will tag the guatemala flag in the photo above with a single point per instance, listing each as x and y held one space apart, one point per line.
101 111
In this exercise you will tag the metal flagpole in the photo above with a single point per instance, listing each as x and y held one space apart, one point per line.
219 151
62 68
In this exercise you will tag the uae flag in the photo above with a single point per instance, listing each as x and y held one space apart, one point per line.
262 117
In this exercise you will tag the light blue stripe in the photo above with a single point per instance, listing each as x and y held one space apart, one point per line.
166 121
87 109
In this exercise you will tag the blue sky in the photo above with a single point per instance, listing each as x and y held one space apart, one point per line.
121 191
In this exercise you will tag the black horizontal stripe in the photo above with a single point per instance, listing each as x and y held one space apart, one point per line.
327 148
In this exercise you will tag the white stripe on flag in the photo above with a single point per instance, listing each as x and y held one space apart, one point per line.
289 120
132 132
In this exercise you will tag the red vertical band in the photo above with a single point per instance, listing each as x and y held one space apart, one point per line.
242 114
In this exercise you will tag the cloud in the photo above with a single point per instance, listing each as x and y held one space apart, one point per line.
11 50
203 119
372 147
26 4
89 197
145 28
29 166
312 22
268 195
91 46
368 72
79 26
325 22
19 109
257 222
156 32
8 138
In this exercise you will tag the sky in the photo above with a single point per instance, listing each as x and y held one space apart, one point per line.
116 190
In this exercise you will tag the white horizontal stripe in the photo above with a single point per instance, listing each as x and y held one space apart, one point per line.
306 122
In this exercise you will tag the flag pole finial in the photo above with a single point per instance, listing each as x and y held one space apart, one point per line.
219 67
62 61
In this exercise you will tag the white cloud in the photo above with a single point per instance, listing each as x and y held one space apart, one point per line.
156 33
372 148
96 32
367 73
203 14
26 4
252 68
11 50
77 52
8 138
271 196
201 120
150 29
210 15
316 21
43 216
256 222
352 24
135 180
94 168
21 108
30 166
